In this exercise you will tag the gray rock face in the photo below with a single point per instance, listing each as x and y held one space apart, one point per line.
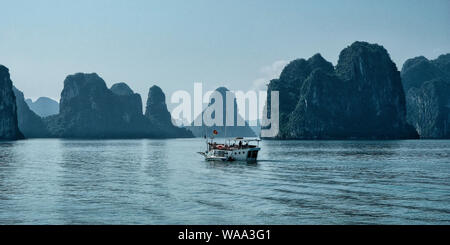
156 111
43 106
362 98
9 128
428 95
223 131
30 124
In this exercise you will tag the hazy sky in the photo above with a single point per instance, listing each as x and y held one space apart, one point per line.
176 43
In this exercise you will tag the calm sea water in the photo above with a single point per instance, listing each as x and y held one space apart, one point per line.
166 182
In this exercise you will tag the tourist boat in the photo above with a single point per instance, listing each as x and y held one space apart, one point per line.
238 149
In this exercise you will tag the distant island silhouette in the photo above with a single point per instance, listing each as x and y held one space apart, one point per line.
222 130
43 106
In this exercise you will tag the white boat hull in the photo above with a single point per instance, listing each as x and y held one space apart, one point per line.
245 154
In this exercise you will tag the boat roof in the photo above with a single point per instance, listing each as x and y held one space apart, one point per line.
247 140
241 139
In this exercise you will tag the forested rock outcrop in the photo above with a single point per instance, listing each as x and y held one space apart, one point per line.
361 98
427 86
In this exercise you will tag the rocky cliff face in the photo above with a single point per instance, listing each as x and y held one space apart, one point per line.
290 84
9 129
427 85
121 89
88 109
361 98
156 111
43 106
223 131
129 102
30 124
